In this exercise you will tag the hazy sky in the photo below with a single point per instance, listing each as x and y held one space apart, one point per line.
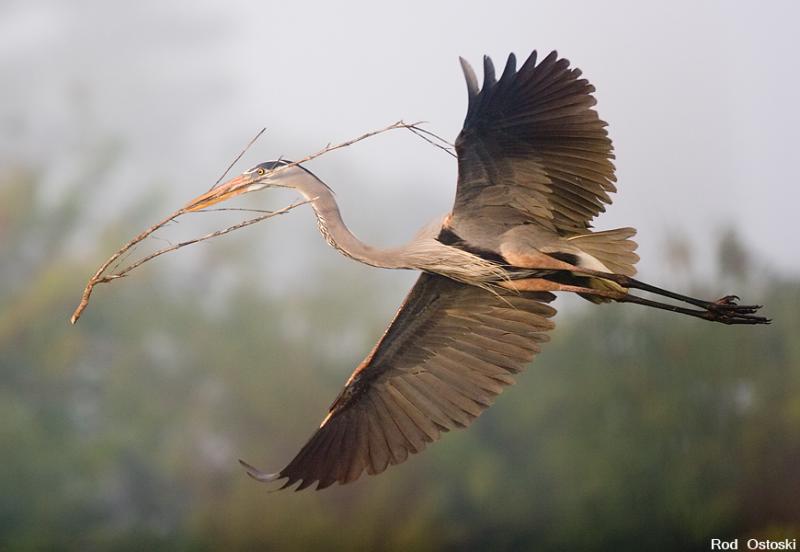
700 99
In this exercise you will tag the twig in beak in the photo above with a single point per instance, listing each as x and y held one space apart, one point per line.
236 160
214 195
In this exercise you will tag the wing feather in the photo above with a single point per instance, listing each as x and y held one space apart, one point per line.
449 352
411 434
432 410
379 451
395 441
534 139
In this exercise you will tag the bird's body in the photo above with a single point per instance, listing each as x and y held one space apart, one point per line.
535 168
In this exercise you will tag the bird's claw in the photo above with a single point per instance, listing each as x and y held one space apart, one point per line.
728 300
728 311
730 305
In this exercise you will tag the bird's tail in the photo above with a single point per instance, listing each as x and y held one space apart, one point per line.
615 250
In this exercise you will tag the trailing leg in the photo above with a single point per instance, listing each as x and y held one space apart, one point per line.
724 311
728 304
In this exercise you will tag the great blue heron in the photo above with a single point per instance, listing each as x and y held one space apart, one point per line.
534 168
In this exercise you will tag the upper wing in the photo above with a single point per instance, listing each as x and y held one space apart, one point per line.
532 150
449 351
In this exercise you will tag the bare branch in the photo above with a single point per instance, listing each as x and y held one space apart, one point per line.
418 128
421 132
101 277
236 160
237 226
327 149
243 209
98 277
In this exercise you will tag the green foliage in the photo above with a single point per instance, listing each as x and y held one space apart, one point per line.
632 430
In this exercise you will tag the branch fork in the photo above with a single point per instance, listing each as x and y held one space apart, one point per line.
103 275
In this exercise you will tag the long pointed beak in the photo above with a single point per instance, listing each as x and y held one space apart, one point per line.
233 187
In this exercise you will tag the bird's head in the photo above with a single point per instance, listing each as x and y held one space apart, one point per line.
270 174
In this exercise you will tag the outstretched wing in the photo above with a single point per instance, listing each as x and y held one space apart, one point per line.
532 150
449 351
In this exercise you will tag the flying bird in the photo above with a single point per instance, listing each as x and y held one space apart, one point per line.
534 169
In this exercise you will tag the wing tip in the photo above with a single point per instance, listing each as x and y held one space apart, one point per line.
470 77
259 475
488 72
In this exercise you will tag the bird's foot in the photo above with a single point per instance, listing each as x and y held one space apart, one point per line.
727 310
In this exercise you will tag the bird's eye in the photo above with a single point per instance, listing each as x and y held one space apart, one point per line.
260 171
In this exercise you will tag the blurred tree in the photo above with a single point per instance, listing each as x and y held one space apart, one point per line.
678 252
733 259
633 430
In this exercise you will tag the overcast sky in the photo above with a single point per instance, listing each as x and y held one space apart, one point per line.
700 98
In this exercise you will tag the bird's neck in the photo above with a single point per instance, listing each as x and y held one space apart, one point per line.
336 233
424 253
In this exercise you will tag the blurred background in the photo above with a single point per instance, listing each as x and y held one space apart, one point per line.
632 430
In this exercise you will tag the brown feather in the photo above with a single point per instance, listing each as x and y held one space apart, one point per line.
437 367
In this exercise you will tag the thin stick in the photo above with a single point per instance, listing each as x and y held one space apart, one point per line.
99 277
241 153
419 133
418 128
248 222
244 209
327 149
